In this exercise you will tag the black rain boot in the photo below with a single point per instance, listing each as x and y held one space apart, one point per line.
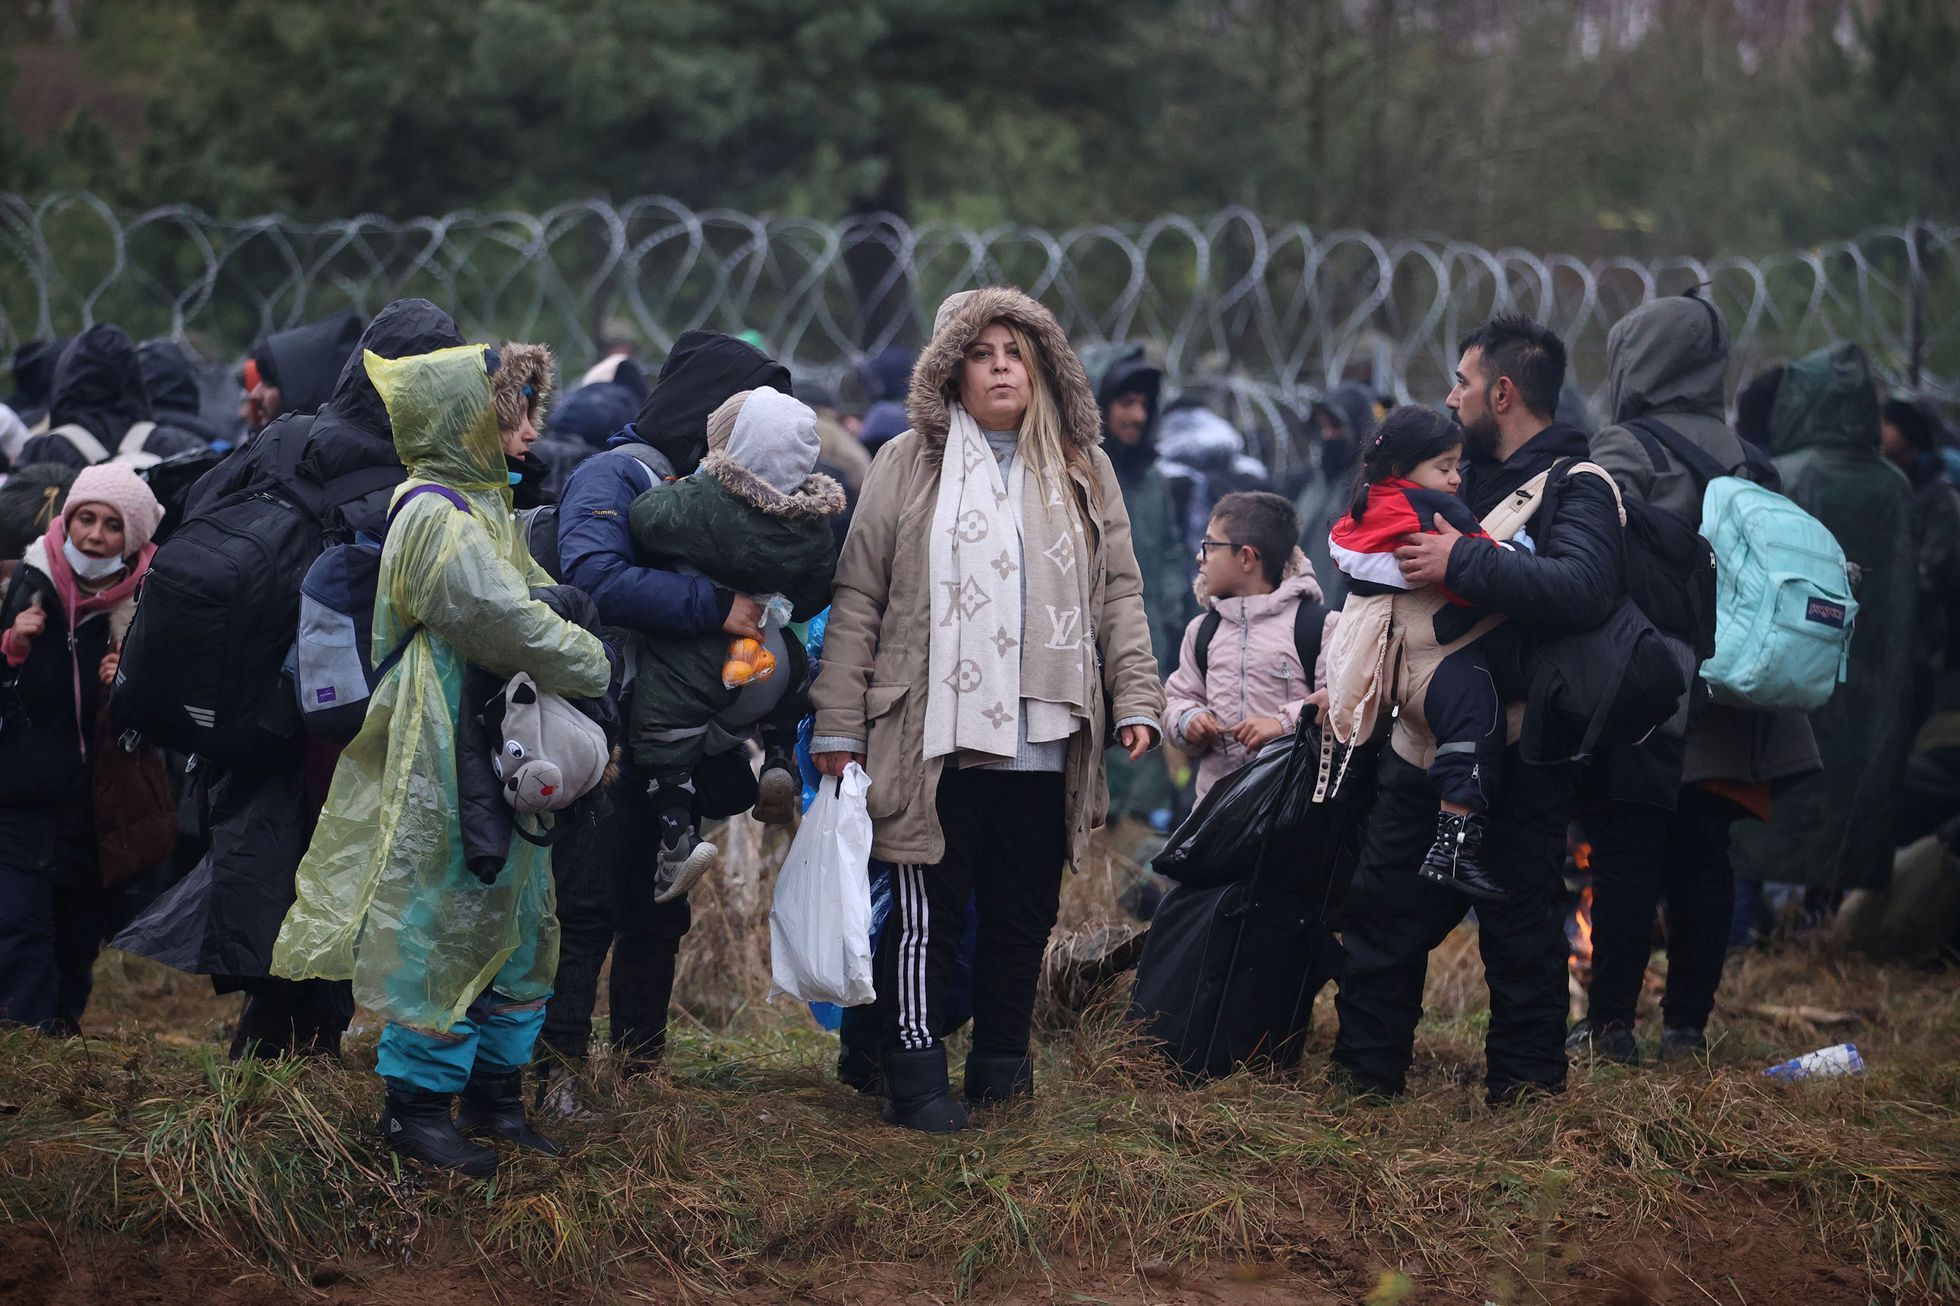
417 1126
1455 859
493 1103
920 1096
779 790
993 1079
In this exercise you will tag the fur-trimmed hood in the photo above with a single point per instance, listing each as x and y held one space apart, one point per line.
964 316
1297 577
520 368
819 495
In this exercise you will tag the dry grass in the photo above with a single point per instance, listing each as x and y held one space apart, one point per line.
743 1167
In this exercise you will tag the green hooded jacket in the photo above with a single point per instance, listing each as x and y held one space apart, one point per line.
384 897
1834 829
729 525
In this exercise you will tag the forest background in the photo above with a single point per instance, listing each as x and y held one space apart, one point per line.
1601 127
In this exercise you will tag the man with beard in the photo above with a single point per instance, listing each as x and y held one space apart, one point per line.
1505 398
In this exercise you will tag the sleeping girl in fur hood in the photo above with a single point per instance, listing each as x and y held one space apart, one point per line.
754 518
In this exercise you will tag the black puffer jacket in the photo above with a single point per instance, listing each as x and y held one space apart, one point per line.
1576 577
98 386
351 433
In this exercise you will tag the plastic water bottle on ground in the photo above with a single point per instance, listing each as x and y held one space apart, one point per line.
1825 1063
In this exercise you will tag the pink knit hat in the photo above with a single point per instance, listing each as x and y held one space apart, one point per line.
122 489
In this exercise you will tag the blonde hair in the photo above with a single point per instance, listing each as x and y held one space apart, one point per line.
1051 455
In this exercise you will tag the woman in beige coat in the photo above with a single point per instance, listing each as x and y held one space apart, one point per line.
987 638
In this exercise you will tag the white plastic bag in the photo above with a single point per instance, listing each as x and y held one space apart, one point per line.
820 925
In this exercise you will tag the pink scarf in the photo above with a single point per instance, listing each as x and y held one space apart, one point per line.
78 604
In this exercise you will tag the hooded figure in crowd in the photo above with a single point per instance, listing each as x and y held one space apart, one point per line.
522 386
593 412
1834 830
605 873
886 377
100 410
982 718
1127 389
297 368
172 385
220 919
1203 459
671 431
33 372
754 516
1662 831
459 969
1912 442
66 610
1342 421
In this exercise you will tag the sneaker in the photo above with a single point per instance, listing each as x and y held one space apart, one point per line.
684 855
1683 1043
779 791
682 863
1610 1043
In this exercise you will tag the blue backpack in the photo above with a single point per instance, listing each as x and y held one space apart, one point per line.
1783 605
332 671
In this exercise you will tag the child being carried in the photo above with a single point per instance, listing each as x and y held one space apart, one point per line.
1408 478
753 518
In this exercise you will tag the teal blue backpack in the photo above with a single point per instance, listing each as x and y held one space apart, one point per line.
1783 605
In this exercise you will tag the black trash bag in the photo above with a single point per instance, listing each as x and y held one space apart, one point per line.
1219 842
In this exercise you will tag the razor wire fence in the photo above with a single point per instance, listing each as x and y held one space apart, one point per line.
1265 315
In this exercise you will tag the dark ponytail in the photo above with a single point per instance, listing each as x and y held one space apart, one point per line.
1408 436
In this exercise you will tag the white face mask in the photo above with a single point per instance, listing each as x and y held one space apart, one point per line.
89 568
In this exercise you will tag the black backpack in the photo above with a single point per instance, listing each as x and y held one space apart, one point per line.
1634 673
1309 622
201 667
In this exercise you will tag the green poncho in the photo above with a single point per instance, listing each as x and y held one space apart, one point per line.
383 895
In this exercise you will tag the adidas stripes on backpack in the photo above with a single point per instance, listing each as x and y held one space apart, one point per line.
1783 604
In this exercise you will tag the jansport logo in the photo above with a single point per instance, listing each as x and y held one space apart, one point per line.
1824 613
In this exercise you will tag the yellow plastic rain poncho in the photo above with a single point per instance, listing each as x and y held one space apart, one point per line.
384 896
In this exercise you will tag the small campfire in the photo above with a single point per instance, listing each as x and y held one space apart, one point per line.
1578 923
1578 932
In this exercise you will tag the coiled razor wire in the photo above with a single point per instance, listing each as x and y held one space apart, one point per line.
1263 315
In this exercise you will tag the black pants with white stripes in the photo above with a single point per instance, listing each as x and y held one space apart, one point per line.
1006 844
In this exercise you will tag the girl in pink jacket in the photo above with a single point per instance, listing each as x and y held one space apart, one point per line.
1239 683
